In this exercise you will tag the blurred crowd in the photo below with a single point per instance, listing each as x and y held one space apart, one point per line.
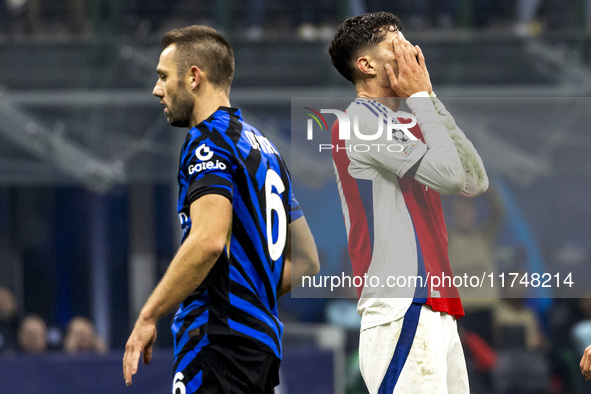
264 19
29 333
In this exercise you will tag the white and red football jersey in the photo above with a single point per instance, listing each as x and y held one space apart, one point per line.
395 225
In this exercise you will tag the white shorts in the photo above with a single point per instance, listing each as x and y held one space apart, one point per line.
419 353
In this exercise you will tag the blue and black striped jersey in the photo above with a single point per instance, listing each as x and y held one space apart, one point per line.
238 298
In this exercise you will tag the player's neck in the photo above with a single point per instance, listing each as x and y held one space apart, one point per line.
207 104
378 93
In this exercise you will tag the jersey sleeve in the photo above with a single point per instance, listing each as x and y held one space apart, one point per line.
295 211
207 167
396 153
441 168
476 177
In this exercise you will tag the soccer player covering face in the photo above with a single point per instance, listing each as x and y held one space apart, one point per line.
238 216
391 205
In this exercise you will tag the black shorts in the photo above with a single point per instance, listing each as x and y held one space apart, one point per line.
231 368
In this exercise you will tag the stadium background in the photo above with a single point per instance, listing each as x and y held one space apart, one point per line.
88 164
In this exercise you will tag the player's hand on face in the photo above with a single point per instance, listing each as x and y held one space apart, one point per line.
412 75
140 341
408 44
416 50
586 363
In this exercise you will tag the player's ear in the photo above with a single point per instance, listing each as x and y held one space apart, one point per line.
195 75
365 65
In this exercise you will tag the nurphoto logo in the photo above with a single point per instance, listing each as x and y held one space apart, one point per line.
395 130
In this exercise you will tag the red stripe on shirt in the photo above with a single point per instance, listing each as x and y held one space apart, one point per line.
359 240
426 214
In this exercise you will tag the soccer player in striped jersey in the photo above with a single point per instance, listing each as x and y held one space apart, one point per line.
391 205
238 215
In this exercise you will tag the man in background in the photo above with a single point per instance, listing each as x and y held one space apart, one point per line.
8 320
81 337
586 363
32 335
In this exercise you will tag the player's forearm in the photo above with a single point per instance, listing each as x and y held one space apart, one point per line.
286 284
187 270
293 274
476 177
299 261
441 168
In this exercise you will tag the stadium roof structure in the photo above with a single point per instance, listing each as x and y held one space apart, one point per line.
83 112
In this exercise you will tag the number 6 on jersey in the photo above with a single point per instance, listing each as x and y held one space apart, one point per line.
274 203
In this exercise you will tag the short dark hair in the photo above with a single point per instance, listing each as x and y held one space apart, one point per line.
357 33
205 48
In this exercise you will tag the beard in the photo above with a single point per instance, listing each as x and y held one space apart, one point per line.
385 81
181 107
